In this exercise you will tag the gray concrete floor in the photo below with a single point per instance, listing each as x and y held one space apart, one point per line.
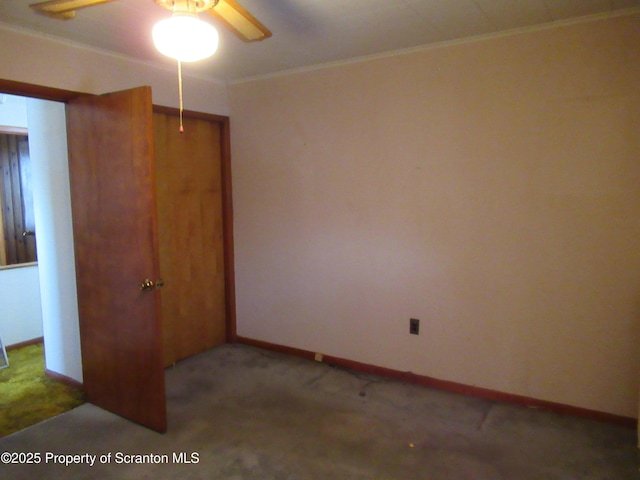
238 412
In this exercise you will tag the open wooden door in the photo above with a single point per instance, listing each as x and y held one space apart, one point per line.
110 141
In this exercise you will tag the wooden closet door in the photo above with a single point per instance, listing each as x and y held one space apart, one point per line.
190 224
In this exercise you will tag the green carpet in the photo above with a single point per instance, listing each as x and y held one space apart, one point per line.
27 395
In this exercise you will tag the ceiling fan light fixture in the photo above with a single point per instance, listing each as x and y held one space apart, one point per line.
185 37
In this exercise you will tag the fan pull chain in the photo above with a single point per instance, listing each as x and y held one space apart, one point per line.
180 93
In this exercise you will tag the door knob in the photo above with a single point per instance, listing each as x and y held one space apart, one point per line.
150 284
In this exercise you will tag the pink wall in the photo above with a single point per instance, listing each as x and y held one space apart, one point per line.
489 188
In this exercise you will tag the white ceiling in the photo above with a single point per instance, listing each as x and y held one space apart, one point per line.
306 32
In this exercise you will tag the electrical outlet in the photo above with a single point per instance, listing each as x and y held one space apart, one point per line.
318 357
414 326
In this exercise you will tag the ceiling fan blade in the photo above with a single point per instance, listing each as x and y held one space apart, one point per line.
239 21
64 9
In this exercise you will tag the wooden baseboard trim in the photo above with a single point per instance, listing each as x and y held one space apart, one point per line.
58 377
297 352
68 381
26 343
454 387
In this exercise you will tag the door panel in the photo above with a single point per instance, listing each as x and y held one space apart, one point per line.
16 201
115 241
190 221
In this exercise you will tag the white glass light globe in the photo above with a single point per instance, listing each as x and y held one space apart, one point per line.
185 38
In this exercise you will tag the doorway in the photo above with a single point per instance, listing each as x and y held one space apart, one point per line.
37 301
21 318
225 190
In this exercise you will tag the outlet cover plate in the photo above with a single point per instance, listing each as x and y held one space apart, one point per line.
414 326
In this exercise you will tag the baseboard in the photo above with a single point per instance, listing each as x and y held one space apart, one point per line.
454 387
58 377
26 343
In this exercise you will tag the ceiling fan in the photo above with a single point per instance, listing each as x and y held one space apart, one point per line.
228 12
183 36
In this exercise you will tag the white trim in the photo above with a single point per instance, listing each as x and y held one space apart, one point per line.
365 58
432 46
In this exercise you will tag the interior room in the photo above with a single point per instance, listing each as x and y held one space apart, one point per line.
436 196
